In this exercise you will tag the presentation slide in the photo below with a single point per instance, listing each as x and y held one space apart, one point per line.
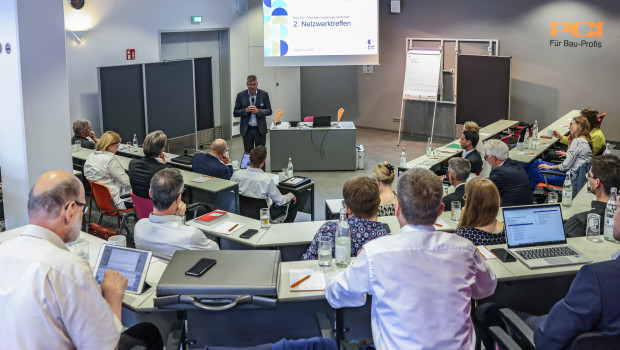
311 28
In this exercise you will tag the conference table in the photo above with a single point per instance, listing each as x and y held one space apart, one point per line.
216 192
320 148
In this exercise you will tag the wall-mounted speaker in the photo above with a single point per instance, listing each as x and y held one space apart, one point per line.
394 6
242 6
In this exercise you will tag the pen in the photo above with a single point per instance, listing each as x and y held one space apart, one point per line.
438 225
296 284
232 228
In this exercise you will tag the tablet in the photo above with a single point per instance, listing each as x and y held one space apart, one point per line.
131 263
245 161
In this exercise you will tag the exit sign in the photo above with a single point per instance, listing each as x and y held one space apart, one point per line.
196 19
131 54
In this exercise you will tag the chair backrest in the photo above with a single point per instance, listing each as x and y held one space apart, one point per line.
505 139
103 198
601 151
143 206
250 207
592 340
601 117
579 178
308 119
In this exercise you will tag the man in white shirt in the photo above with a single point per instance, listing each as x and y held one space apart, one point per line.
165 232
48 296
422 281
255 183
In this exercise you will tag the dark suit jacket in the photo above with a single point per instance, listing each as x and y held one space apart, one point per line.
512 183
591 304
208 164
86 143
475 160
576 225
140 173
457 195
264 109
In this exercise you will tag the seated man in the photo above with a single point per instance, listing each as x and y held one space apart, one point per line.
255 183
469 141
215 163
49 297
165 232
82 130
604 174
142 170
361 200
422 281
458 172
511 180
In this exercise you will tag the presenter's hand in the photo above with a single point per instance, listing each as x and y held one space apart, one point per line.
181 209
113 286
162 156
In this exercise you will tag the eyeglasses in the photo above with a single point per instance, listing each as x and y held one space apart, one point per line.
588 176
80 204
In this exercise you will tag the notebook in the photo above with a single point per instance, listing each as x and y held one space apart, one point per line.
535 235
245 161
211 217
131 263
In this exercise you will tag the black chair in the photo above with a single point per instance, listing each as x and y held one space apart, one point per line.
250 207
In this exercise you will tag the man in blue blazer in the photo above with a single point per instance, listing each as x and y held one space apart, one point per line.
252 106
215 163
511 180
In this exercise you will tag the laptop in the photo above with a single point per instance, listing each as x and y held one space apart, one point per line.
245 161
535 235
322 121
131 263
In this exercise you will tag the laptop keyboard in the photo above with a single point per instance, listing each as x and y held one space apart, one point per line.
538 253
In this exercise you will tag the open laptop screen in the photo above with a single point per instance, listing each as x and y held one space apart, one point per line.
534 225
245 161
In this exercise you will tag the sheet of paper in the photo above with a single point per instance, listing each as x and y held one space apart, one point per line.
484 134
530 154
228 227
441 224
485 252
316 282
201 179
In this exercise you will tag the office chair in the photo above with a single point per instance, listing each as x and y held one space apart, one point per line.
106 206
250 207
578 179
144 207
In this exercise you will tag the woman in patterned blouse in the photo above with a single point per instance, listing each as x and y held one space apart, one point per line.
361 200
479 221
383 174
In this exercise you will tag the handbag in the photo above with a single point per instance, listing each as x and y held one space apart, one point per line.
101 231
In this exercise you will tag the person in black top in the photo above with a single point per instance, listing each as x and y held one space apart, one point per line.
81 132
511 180
469 141
458 172
142 170
603 175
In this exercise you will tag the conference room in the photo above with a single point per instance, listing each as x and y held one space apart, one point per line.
53 77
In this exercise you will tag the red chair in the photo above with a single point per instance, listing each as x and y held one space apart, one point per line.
106 205
143 206
308 119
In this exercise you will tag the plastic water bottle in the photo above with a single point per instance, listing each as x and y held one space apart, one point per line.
289 169
567 191
429 147
343 241
535 135
607 149
526 138
403 158
135 143
227 154
608 230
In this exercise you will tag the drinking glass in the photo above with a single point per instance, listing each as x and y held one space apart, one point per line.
552 198
456 211
593 229
264 218
129 146
79 248
118 240
325 251
77 146
445 189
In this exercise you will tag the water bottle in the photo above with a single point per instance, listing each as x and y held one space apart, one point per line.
535 135
429 147
607 149
567 191
520 140
526 138
343 241
403 158
227 154
289 169
608 231
135 143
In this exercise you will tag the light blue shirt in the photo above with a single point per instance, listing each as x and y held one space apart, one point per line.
255 183
253 121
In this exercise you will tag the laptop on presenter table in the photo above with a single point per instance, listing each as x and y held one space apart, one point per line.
323 121
535 235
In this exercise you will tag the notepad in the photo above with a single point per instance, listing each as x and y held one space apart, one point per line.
440 224
316 282
203 178
485 252
227 227
453 145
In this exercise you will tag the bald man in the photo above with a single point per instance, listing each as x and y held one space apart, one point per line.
215 163
48 295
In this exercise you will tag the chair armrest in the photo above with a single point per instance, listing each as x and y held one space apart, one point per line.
551 173
556 161
519 330
325 326
502 339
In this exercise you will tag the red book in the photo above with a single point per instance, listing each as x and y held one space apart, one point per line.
212 217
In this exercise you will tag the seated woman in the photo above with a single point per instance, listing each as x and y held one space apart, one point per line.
361 200
383 174
596 136
578 152
101 166
479 221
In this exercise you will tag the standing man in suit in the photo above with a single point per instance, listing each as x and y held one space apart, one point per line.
458 172
469 141
509 177
252 106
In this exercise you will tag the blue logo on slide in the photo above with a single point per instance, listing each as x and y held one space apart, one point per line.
275 18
